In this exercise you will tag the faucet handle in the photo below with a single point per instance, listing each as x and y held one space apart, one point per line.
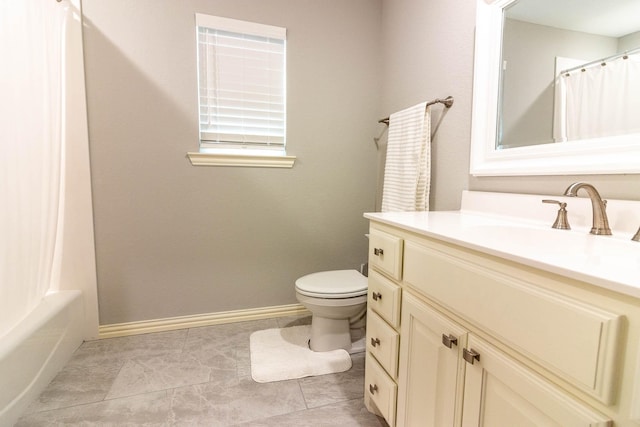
562 222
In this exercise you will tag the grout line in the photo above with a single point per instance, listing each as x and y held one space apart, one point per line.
304 399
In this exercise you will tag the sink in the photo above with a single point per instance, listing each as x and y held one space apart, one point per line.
534 238
565 243
518 228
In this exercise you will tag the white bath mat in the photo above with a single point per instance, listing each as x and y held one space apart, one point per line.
284 354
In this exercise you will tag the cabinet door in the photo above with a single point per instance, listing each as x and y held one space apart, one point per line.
431 367
384 298
382 343
578 341
500 392
385 253
380 390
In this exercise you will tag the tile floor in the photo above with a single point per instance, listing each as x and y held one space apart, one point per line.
194 377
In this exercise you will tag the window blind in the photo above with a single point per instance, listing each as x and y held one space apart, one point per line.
242 84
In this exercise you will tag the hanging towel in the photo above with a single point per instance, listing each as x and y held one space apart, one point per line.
407 172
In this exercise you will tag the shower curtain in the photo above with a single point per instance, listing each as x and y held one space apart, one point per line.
601 101
31 153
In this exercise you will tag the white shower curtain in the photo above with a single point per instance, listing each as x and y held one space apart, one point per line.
31 152
600 101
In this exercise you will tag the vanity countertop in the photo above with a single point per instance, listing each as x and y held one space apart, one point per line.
611 262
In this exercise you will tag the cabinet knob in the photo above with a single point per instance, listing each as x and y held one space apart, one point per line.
449 340
378 251
470 355
376 296
373 388
375 342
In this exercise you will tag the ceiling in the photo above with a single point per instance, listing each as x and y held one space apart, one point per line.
613 18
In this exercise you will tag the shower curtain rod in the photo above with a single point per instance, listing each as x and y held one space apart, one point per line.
448 102
602 61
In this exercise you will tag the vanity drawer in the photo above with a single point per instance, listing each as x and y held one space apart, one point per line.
381 389
383 342
385 253
384 298
575 340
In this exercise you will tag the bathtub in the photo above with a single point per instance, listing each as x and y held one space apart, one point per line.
34 351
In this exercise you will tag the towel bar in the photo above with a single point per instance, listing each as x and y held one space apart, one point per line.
448 102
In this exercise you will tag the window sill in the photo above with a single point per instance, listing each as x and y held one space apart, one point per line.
242 160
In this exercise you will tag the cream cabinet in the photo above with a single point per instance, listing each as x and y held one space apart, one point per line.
499 391
383 321
577 340
431 369
386 253
457 338
448 376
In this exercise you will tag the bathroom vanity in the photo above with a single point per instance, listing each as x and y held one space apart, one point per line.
488 316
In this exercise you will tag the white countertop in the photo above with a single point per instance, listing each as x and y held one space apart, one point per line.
611 262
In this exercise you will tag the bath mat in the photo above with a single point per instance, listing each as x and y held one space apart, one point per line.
284 354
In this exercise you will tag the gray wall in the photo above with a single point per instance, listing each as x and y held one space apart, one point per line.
173 239
629 42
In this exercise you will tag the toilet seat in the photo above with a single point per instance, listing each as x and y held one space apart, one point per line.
335 284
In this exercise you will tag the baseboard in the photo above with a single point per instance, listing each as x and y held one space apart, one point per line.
184 322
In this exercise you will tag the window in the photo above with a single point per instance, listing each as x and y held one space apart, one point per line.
242 89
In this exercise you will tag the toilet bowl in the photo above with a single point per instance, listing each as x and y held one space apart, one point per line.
337 301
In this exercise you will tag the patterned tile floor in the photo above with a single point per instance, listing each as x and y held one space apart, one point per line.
194 377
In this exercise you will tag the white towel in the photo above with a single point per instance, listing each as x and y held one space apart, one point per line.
407 172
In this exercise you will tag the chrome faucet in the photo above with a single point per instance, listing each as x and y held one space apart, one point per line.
600 221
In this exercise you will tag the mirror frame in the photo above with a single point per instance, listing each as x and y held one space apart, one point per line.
610 155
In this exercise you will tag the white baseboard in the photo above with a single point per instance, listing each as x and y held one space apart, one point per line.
183 322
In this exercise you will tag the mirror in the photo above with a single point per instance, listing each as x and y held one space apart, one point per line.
528 93
554 86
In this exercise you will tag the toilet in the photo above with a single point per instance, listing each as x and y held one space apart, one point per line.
337 301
